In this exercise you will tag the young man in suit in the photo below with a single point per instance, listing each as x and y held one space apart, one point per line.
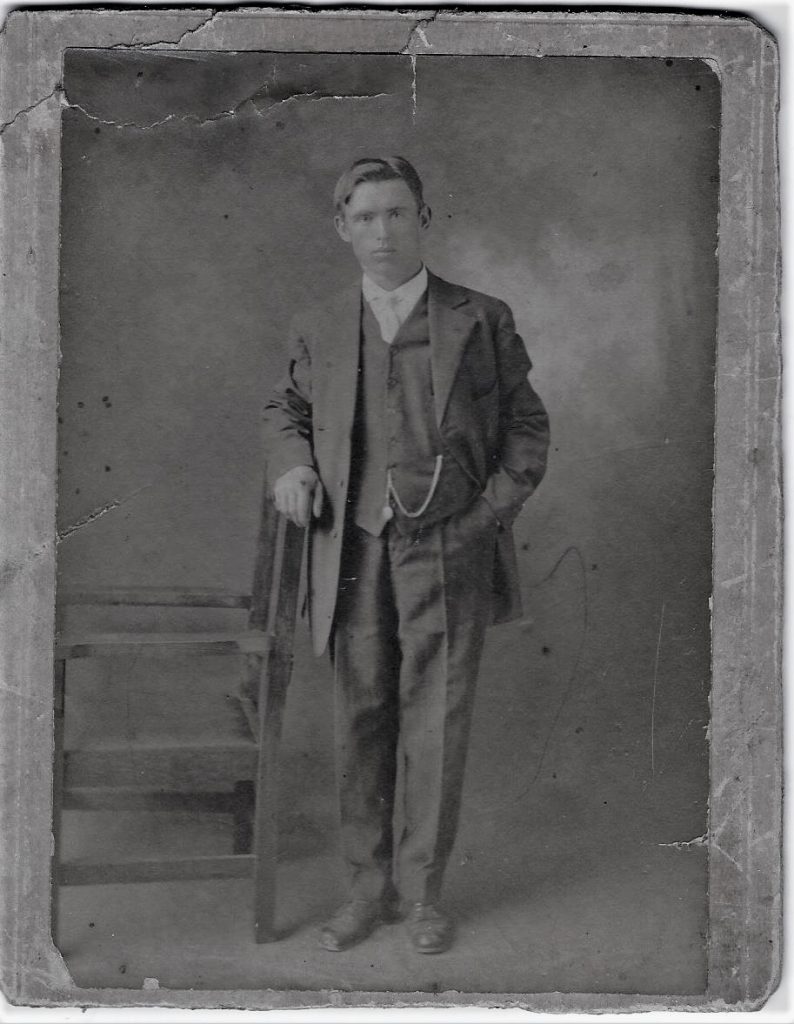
406 436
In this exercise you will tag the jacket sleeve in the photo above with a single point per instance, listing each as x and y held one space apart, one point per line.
288 413
519 462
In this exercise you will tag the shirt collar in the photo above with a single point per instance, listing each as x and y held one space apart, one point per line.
410 291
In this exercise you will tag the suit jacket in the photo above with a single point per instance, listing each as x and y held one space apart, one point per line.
490 419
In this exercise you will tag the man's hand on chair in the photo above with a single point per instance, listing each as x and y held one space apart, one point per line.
298 495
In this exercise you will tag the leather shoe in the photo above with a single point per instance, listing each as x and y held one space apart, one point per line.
429 930
352 923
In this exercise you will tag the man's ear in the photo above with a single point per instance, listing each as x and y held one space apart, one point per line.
425 215
341 226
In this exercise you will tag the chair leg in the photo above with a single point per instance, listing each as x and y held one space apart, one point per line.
59 696
244 802
274 675
265 817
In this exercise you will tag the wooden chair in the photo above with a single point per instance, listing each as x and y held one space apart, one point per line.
248 763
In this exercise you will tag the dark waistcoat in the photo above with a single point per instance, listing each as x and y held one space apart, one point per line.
395 423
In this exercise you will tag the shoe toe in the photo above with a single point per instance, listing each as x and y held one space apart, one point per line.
330 940
429 930
353 923
431 943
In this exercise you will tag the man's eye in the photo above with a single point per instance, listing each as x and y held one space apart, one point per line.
396 213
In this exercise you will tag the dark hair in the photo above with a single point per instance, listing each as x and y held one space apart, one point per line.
376 168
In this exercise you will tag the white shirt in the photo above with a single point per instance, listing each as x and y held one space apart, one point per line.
392 309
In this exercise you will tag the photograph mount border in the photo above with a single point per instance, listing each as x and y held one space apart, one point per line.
745 806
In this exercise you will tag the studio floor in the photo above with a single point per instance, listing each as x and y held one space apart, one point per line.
571 871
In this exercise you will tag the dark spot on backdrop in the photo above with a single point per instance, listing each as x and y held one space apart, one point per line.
583 192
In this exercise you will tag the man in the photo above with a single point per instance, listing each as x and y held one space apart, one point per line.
406 436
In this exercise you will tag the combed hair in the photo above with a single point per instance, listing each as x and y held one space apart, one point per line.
376 168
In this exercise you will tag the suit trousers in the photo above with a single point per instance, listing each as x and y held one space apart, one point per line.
409 630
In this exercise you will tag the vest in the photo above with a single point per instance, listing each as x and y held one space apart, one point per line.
395 422
400 472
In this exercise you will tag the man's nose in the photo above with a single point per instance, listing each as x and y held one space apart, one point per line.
382 227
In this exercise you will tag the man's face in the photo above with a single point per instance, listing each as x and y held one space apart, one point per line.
382 223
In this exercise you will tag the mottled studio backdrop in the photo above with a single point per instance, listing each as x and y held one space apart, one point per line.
196 218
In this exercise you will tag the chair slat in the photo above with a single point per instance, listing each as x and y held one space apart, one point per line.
159 645
168 767
168 870
118 799
164 596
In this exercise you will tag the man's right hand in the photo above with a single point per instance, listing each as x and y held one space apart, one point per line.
298 495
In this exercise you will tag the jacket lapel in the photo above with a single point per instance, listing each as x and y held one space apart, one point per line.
339 369
450 326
